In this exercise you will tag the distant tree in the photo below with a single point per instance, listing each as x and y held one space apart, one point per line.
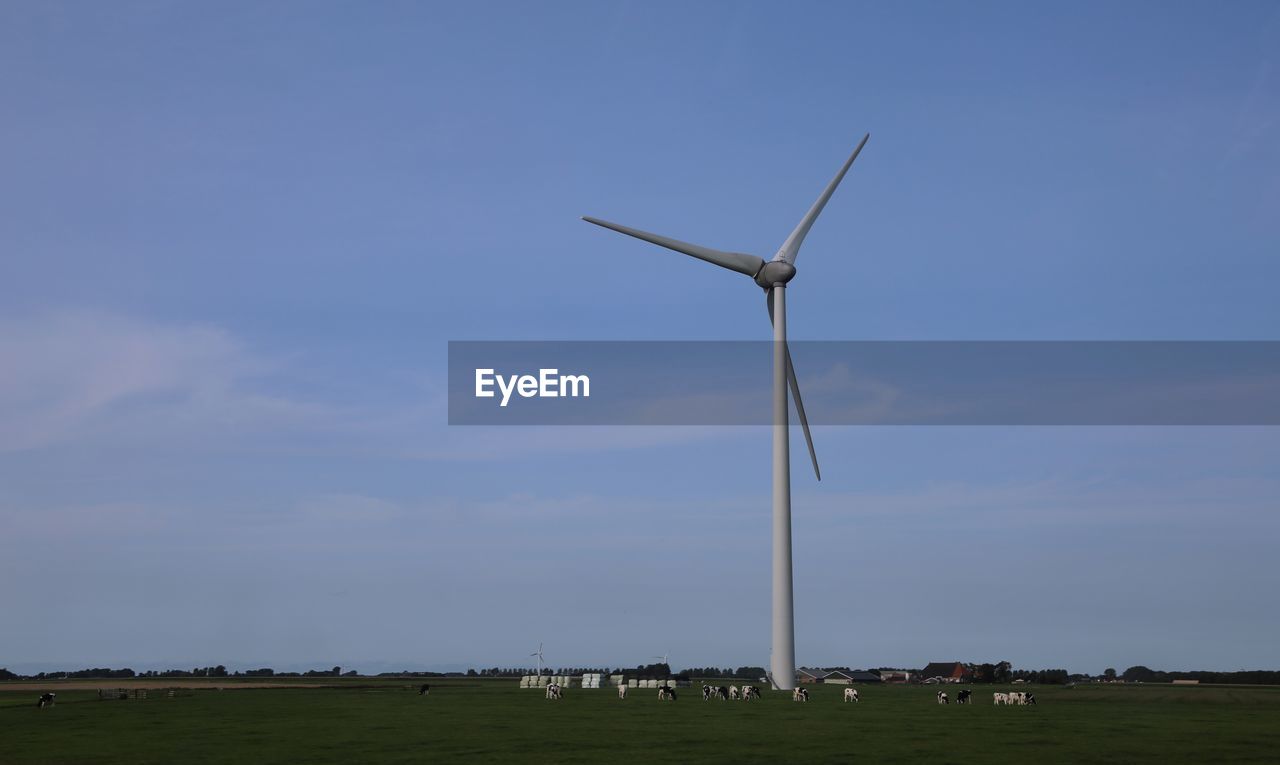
986 673
1138 674
1002 672
473 673
1109 673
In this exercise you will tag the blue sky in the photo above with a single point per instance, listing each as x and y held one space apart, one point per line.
236 238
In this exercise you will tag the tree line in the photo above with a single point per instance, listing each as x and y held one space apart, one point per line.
999 672
215 671
1141 674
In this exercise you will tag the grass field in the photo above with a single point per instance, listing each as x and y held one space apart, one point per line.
494 721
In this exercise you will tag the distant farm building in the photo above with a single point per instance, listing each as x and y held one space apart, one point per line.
836 676
943 672
849 677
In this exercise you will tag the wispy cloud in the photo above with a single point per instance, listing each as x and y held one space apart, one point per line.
93 378
71 374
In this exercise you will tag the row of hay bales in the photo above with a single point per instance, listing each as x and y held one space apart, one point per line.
650 683
596 680
542 681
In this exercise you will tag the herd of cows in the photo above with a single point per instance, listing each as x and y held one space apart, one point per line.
1021 698
667 692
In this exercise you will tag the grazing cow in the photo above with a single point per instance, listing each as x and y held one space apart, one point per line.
999 698
46 700
851 694
963 696
800 694
622 691
750 692
424 690
942 698
666 693
706 692
1017 697
554 691
1029 698
721 692
733 693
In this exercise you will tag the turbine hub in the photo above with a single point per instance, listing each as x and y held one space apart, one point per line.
775 272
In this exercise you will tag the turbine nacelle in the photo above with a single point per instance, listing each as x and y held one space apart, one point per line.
775 272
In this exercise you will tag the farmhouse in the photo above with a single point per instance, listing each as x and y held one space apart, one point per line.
848 677
943 672
806 675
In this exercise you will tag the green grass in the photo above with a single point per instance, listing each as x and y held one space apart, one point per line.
488 721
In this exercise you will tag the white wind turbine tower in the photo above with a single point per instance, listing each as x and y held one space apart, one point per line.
538 653
664 661
773 276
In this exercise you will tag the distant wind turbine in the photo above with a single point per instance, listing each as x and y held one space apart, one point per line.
773 276
538 653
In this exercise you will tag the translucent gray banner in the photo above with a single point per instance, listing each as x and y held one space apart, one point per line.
866 383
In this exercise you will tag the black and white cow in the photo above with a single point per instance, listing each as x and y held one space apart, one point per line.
963 696
800 694
1030 698
666 693
706 692
851 694
942 698
554 692
46 700
424 690
750 692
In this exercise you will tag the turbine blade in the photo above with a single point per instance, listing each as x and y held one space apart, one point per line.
791 247
794 384
734 261
804 421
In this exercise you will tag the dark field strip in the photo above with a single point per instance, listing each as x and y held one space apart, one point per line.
498 722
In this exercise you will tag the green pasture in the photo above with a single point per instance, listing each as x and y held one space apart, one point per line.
495 721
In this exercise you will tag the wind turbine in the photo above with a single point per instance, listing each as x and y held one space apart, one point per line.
664 661
538 653
772 276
